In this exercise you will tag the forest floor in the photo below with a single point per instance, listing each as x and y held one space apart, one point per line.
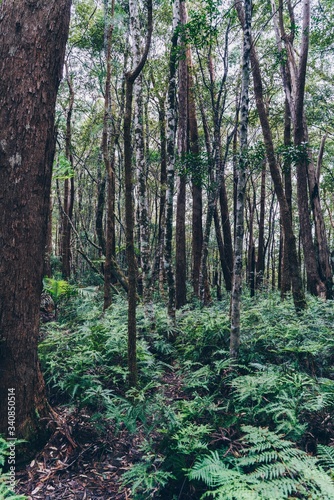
79 462
196 415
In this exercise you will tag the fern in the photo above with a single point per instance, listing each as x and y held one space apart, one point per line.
271 468
325 457
5 491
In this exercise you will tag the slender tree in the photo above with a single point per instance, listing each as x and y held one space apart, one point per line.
239 230
68 201
182 143
171 136
108 152
130 79
296 281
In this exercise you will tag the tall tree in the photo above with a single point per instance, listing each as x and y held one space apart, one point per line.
141 166
317 259
108 152
33 35
296 281
239 230
67 209
130 79
182 143
171 135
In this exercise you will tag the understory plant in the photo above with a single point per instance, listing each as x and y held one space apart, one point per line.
5 490
205 425
268 467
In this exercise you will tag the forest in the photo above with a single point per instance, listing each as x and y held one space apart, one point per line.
166 249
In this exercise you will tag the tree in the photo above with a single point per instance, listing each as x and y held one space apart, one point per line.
296 281
33 35
239 230
182 143
170 146
130 79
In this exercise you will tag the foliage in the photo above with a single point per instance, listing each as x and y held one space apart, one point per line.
269 467
192 399
5 491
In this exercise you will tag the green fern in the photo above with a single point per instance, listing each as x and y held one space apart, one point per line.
325 457
5 491
270 468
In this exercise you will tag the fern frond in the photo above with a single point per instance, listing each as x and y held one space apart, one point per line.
325 456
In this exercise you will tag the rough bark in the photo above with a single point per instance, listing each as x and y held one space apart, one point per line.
171 136
196 181
130 78
32 46
239 229
285 275
182 135
163 189
141 166
108 159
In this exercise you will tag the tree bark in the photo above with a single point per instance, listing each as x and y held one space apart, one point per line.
32 46
182 133
261 249
108 158
130 78
239 230
297 287
196 180
68 186
171 136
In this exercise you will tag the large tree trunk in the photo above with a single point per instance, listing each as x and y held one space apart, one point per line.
163 189
32 46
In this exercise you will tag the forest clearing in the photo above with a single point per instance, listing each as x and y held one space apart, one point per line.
166 249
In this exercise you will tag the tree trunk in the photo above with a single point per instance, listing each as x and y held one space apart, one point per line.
196 181
260 251
317 259
130 78
227 234
171 133
180 230
32 46
239 230
163 189
285 275
68 187
108 159
314 281
297 287
141 165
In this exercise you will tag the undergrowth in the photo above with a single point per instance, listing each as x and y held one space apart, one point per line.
5 480
260 427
